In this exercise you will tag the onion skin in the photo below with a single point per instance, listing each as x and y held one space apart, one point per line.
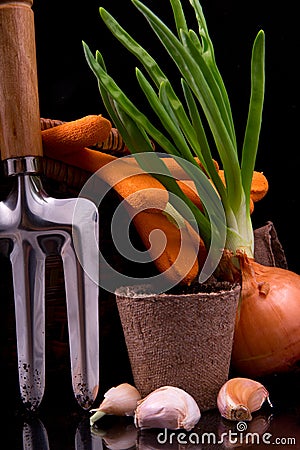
267 331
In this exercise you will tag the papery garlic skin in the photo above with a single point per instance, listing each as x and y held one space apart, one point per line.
239 397
167 407
118 401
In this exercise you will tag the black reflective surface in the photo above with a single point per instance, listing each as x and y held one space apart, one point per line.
61 424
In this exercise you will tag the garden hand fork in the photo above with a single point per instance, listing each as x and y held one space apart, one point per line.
34 225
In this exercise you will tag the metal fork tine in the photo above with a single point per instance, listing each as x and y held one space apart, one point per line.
81 298
80 262
28 266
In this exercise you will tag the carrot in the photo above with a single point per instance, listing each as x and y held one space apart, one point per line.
141 190
91 161
259 189
259 186
72 136
177 171
113 144
183 250
68 143
189 189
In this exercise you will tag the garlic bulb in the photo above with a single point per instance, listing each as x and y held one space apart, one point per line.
119 401
239 397
167 407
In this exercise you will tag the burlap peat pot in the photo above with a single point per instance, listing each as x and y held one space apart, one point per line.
184 340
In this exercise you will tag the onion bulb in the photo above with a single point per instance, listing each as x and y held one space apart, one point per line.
267 332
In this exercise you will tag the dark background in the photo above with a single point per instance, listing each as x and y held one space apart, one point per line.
68 89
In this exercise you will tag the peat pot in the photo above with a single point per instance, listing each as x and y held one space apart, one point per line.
181 339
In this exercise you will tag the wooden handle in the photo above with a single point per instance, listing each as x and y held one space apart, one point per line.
20 133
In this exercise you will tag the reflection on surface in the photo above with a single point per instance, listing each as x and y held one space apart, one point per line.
35 436
61 425
242 434
120 436
211 432
84 439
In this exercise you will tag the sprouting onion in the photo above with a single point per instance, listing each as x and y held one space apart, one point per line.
184 133
267 336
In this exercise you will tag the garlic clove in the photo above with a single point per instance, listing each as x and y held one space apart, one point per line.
239 397
119 401
167 407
